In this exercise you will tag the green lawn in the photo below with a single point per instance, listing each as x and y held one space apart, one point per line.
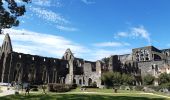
79 97
105 90
77 94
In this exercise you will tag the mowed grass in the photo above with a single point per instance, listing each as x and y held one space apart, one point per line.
79 97
105 90
89 94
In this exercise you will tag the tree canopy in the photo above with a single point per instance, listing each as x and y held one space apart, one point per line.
164 78
9 12
115 78
148 79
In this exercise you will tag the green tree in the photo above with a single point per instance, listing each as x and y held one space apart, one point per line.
9 12
127 79
148 79
107 79
116 78
164 78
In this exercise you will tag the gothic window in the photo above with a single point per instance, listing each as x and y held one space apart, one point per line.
44 59
32 58
93 68
20 56
142 55
31 74
17 72
70 56
89 82
167 53
44 73
74 81
80 82
83 81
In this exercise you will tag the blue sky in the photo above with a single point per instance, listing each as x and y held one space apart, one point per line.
92 29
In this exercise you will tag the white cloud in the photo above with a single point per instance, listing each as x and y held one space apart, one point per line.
49 15
42 44
56 19
88 1
47 3
111 44
34 43
64 28
135 32
102 53
122 34
141 32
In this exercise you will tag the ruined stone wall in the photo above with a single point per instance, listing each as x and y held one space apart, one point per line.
37 69
150 67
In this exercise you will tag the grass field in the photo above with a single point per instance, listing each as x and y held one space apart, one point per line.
89 94
81 97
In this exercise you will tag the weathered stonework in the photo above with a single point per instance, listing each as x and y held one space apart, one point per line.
36 69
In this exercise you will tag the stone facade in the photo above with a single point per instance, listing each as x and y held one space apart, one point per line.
36 69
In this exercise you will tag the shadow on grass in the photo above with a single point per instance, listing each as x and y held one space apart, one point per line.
74 97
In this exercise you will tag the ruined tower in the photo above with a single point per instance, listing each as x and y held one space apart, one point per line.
5 55
68 55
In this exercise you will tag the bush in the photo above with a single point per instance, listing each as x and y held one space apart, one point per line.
34 89
59 87
148 79
89 87
155 88
33 86
73 86
122 87
138 88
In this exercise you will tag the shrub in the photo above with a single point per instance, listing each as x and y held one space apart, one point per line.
33 86
73 86
148 79
164 78
34 89
155 88
89 87
138 88
59 87
94 84
122 87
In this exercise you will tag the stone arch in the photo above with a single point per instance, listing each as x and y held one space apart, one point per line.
167 53
89 81
54 77
1 64
31 73
74 81
157 57
80 81
44 74
17 72
83 80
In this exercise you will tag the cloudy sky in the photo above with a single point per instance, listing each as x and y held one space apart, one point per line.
92 29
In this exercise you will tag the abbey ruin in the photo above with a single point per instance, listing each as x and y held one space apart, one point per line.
36 69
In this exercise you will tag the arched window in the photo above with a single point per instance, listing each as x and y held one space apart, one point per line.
89 81
80 82
74 81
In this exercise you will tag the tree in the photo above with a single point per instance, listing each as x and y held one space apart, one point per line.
9 12
148 79
164 78
107 79
127 79
116 78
